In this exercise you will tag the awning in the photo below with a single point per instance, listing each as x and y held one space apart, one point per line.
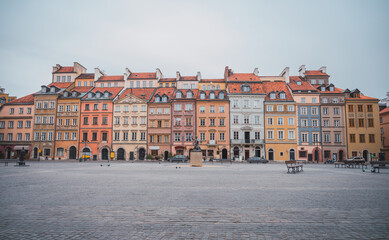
21 147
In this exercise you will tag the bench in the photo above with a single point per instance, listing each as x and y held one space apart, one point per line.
6 161
221 160
355 163
379 164
293 166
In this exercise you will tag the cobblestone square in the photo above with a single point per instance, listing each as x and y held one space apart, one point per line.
71 200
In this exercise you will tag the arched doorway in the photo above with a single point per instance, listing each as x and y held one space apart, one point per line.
166 155
35 153
365 155
72 152
224 153
316 154
271 154
236 152
292 154
8 153
142 153
104 154
257 152
120 154
340 155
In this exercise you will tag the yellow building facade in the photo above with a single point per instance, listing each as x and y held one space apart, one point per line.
363 127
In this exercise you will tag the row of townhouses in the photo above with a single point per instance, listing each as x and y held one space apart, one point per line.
142 115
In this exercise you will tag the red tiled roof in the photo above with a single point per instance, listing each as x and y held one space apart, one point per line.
212 80
207 92
255 88
86 76
161 91
315 73
385 110
111 78
188 78
363 97
145 75
167 80
81 89
243 77
65 70
305 85
61 84
114 90
143 93
336 90
25 99
184 91
277 87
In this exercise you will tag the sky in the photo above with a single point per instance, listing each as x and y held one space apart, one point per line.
349 37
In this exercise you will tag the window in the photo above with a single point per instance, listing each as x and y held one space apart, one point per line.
26 137
58 78
142 136
188 137
280 121
104 121
52 104
290 108
135 108
144 84
138 84
94 136
159 111
236 119
166 110
63 78
134 120
221 109
44 120
314 111
2 124
303 111
45 104
352 138
256 120
325 100
105 106
280 108
117 108
202 95
272 96
67 108
143 108
202 136
304 137
270 108
212 95
188 121
133 135
303 99
39 105
60 108
369 108
86 107
66 136
221 122
335 100
270 134
20 124
177 137
43 136
85 121
95 120
236 135
19 137
221 136
21 110
336 111
202 109
245 103
150 83
371 138
74 136
326 123
290 121
280 134
257 135
177 121
361 122
75 108
142 120
152 111
38 120
291 134
36 137
212 136
246 119
337 137
59 136
282 95
304 122
104 136
360 108
336 123
177 107
67 122
117 120
164 99
212 122
28 124
202 122
256 104
212 109
351 123
315 122
325 111
235 104
95 107
29 110
326 137
370 122
11 124
269 121
313 100
179 95
362 138
351 108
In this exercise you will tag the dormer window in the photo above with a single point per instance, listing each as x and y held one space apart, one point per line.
282 95
164 99
106 95
43 90
98 94
74 94
272 96
298 83
157 98
321 81
179 95
202 95
221 95
189 95
313 81
322 89
212 95
331 89
52 89
65 94
90 95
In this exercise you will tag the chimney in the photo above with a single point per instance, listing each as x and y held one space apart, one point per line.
323 69
227 73
256 72
98 73
198 76
126 74
285 74
78 68
302 71
159 74
178 75
56 68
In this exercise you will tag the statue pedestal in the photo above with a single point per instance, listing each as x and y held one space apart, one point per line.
196 159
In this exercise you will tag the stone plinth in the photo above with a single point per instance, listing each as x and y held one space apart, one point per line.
196 159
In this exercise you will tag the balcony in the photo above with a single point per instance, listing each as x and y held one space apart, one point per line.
247 141
212 143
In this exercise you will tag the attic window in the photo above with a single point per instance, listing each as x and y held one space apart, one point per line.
65 94
136 75
331 89
74 94
157 98
272 96
221 95
179 95
202 95
282 95
52 89
212 95
298 82
106 94
246 88
43 89
323 89
89 95
164 99
98 94
189 95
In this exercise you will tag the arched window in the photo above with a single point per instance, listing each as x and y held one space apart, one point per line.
157 98
204 87
179 95
164 98
189 94
212 95
213 87
202 95
335 100
217 87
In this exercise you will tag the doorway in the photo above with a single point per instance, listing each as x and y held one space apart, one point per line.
316 155
142 154
236 152
271 154
292 154
166 155
104 154
121 154
247 137
224 153
8 152
257 152
131 156
341 155
310 157
246 154
72 152
365 155
35 153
